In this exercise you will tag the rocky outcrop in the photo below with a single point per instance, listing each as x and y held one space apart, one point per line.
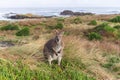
71 13
6 44
67 12
22 16
25 16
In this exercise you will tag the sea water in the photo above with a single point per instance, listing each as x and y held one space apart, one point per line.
55 11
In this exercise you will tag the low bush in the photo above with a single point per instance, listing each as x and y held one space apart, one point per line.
118 35
77 20
93 22
116 69
59 25
94 36
10 27
114 59
106 30
101 26
60 19
108 65
111 64
115 19
109 29
117 26
23 32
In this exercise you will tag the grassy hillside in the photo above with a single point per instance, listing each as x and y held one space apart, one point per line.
92 49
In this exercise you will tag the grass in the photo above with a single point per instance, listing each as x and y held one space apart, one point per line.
117 26
105 30
77 20
93 22
23 32
10 27
94 36
58 25
115 19
112 64
20 71
83 59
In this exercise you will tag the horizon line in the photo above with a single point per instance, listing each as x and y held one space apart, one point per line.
67 7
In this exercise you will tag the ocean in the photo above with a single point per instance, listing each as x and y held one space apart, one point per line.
56 10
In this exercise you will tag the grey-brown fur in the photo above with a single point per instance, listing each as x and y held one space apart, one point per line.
53 49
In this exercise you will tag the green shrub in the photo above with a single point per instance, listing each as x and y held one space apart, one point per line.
115 19
111 64
93 22
101 26
106 30
10 27
116 69
77 20
57 26
108 65
24 32
114 59
66 33
109 29
117 26
94 36
60 19
118 35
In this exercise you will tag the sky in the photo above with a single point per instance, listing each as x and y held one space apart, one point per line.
59 3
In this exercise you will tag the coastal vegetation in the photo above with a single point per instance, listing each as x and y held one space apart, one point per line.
93 22
92 48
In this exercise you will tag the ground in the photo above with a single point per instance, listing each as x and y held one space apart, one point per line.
83 59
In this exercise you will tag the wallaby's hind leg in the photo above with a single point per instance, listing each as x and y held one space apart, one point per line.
59 60
50 60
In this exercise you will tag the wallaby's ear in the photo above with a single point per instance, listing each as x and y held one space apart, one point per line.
61 33
56 31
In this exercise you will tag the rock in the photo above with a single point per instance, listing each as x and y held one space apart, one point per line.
71 13
67 12
9 14
6 44
25 16
17 17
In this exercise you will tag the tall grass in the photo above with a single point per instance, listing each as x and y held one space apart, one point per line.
20 71
82 60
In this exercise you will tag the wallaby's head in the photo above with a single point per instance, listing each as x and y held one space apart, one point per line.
58 37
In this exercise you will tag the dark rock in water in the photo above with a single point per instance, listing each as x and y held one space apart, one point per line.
6 44
9 14
16 17
68 12
25 16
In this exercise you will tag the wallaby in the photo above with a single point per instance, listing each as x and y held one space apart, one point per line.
53 49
